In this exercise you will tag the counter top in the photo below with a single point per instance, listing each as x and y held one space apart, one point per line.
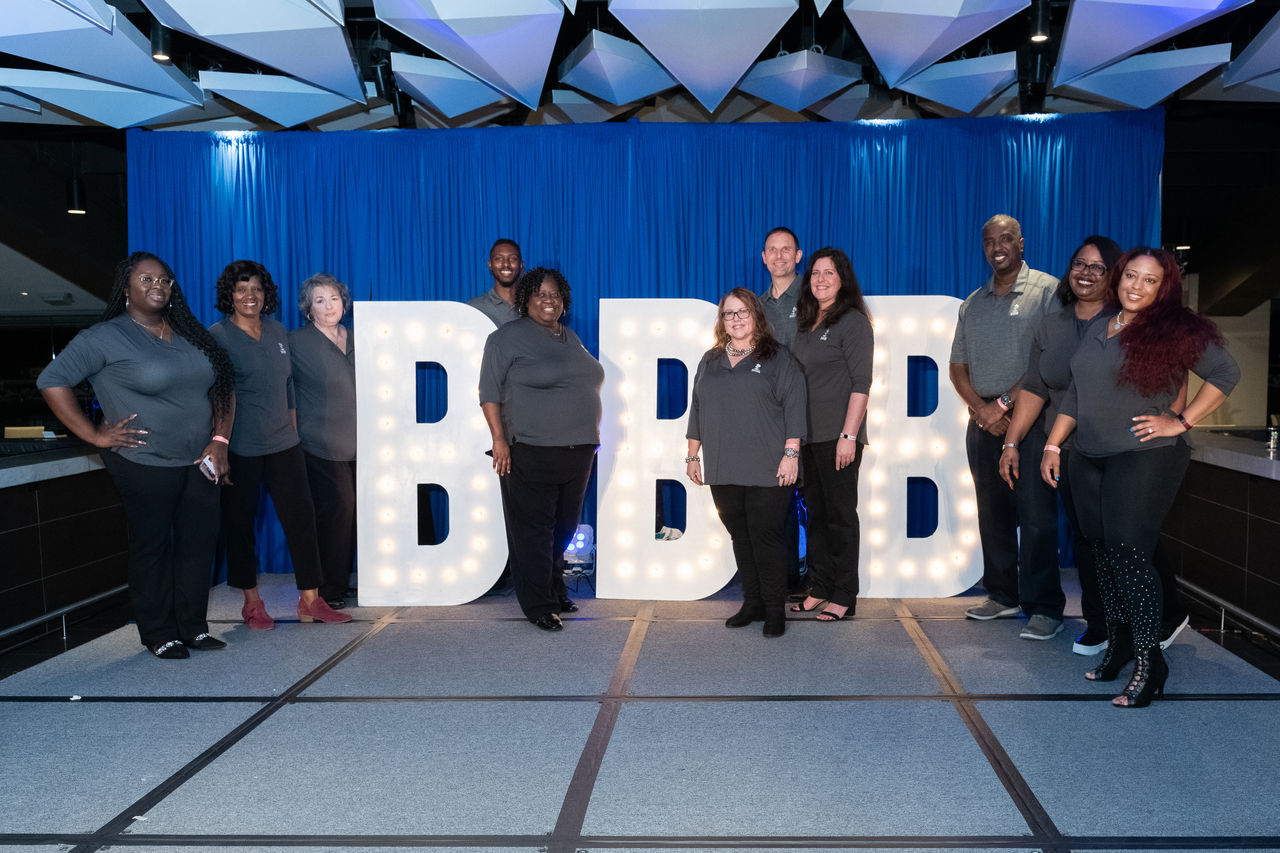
1236 453
38 466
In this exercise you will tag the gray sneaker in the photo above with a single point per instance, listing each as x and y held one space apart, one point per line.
1041 628
991 609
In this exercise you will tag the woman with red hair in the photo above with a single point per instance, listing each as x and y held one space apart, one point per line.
1129 453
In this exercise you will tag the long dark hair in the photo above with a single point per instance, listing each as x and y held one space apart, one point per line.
848 297
184 323
766 346
1110 251
1166 338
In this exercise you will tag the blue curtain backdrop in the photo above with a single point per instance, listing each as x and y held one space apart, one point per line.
635 210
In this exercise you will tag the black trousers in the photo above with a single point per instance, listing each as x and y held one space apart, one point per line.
284 475
542 503
1018 527
1121 502
756 518
1086 566
831 499
171 518
333 493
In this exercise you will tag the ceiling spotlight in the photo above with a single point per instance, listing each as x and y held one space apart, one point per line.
75 196
1039 21
159 42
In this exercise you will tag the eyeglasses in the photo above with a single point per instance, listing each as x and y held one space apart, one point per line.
741 314
146 281
1092 269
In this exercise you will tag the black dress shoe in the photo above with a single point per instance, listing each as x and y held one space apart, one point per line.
172 650
205 643
567 605
548 622
336 603
775 622
748 614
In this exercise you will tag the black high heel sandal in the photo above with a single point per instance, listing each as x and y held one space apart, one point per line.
1150 671
1119 652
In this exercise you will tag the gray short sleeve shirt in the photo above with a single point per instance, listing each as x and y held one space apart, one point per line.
993 333
264 388
836 360
781 312
324 382
497 309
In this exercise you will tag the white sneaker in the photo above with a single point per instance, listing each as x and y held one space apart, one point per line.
666 534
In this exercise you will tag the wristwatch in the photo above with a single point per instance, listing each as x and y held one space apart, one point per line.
790 452
1005 401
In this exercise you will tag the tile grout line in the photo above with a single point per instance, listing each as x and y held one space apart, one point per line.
1033 812
573 811
112 829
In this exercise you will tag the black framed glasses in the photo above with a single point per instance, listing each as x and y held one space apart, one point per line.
741 314
1080 264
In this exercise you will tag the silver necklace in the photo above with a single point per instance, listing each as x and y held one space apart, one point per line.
149 328
1119 323
738 353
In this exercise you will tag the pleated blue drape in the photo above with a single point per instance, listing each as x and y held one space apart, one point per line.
635 210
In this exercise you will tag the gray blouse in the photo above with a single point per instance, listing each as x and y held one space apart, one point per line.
324 384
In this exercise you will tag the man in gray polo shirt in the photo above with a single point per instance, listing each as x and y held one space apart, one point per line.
506 266
781 254
988 357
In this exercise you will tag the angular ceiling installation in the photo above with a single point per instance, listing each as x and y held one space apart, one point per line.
965 84
906 36
284 100
441 85
571 5
854 104
1147 79
799 79
105 103
506 43
301 39
56 34
1260 57
822 6
581 109
613 69
1260 90
94 11
1100 32
21 102
706 44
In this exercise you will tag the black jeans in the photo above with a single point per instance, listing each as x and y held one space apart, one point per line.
333 493
1121 502
171 518
756 518
1018 527
831 500
285 476
542 503
1086 567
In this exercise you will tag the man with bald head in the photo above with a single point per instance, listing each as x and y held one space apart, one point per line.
988 357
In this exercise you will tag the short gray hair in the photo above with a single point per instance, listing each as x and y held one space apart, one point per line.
321 279
1004 217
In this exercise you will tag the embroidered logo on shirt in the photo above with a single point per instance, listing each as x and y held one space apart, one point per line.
793 312
1013 312
283 351
824 335
756 369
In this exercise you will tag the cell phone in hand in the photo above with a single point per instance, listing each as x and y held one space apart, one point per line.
206 468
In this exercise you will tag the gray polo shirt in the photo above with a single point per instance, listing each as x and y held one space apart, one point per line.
1104 409
497 309
743 415
993 334
836 360
264 388
166 384
547 387
1048 374
324 384
781 312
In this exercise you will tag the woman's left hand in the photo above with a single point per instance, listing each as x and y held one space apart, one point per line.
693 470
217 451
788 471
846 452
1147 427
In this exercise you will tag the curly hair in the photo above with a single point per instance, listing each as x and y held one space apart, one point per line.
243 271
308 291
1110 251
1166 339
848 297
766 346
531 281
184 323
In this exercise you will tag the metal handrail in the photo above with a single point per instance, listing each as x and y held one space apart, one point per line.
61 612
1238 614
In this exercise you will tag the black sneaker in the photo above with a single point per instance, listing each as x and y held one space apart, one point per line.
1093 641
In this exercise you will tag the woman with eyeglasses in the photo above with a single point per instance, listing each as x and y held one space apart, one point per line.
1129 455
165 387
265 448
834 345
540 394
747 415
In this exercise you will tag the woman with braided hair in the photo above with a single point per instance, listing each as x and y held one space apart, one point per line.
155 370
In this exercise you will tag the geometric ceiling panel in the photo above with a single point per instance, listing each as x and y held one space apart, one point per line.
1100 32
1147 79
1268 82
856 103
506 43
1262 90
441 85
581 109
22 102
613 69
799 79
571 5
822 6
284 100
706 44
965 84
50 32
906 36
1261 56
96 12
108 104
299 38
